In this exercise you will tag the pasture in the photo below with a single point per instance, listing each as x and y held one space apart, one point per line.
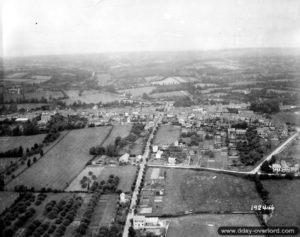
188 190
45 93
7 199
139 91
7 143
170 94
91 96
61 164
285 196
288 117
174 80
117 131
125 173
166 135
207 225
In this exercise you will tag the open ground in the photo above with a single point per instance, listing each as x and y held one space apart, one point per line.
166 135
63 162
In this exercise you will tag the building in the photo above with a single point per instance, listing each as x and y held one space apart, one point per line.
172 160
149 225
124 158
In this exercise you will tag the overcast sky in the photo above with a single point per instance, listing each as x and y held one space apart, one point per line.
38 27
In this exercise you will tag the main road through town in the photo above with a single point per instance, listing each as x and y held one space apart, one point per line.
139 179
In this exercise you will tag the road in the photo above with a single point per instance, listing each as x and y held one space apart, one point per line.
254 171
139 180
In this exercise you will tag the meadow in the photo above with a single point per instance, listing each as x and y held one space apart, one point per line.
7 143
207 225
117 131
188 190
125 173
167 134
284 195
61 164
91 96
7 199
139 91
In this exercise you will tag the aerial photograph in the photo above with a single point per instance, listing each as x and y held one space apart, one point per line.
149 118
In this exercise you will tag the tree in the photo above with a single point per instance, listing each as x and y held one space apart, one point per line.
41 153
117 140
2 184
131 232
28 163
265 167
34 159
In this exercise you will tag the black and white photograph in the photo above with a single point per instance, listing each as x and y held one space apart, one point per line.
149 118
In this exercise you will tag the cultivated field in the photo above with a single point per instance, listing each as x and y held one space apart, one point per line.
117 131
63 162
188 190
7 143
285 195
167 134
174 80
139 91
91 96
104 212
7 199
207 225
125 173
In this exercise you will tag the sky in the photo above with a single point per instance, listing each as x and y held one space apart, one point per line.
42 27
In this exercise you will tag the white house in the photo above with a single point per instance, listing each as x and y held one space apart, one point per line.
123 198
155 148
276 168
124 158
158 154
172 160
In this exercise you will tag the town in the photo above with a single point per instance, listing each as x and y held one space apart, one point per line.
166 154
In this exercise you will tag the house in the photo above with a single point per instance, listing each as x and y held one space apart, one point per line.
276 168
155 148
123 198
124 158
172 160
149 225
158 154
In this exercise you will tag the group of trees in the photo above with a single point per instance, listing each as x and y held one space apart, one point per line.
267 165
250 150
16 152
17 215
267 106
183 102
195 138
112 149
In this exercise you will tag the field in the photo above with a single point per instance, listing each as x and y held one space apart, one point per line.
288 117
188 190
285 195
207 225
63 162
117 131
167 134
76 186
7 143
104 212
125 173
91 96
173 80
170 94
7 199
46 94
139 91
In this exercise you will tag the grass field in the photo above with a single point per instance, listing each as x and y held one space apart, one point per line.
125 173
170 94
287 117
285 195
139 91
117 131
167 134
91 96
63 162
188 190
7 143
7 199
104 212
207 225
